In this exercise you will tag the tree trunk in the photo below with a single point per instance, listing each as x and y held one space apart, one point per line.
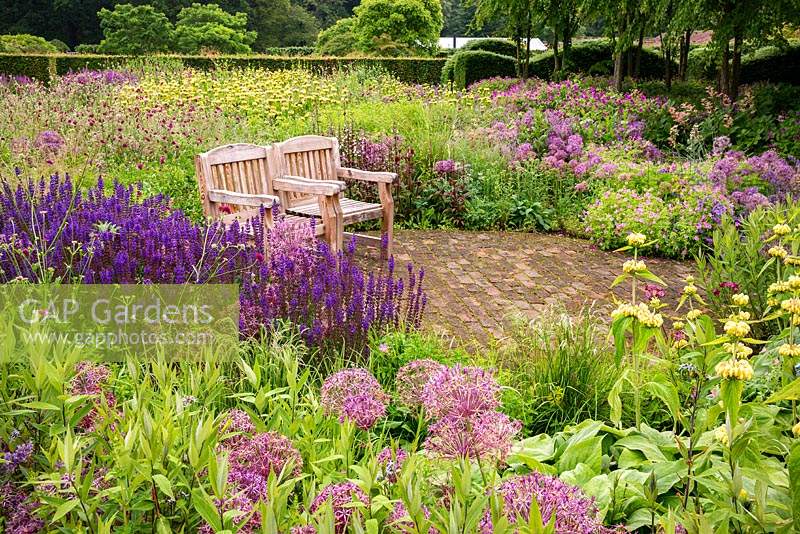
618 54
567 45
667 62
725 69
683 60
735 67
527 48
638 65
556 57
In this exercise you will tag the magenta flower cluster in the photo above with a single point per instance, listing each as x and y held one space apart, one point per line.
411 379
341 497
19 511
463 401
574 512
390 461
354 395
92 379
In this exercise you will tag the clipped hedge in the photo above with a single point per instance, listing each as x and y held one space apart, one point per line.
596 57
410 70
503 47
767 64
38 67
474 65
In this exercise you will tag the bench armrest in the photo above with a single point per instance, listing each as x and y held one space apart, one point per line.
366 176
298 184
242 199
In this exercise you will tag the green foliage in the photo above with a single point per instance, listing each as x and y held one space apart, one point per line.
288 51
206 27
504 47
281 23
475 65
338 40
36 67
770 63
130 29
26 44
793 462
558 370
60 46
414 25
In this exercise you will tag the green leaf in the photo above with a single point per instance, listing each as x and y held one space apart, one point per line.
793 463
164 485
64 509
619 279
205 507
46 406
614 400
789 392
668 395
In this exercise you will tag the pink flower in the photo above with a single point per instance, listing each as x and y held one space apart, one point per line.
411 379
340 496
482 435
459 389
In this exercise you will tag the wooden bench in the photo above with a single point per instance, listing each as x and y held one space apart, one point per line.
317 158
237 181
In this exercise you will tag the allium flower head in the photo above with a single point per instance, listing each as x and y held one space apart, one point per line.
411 379
340 496
363 409
574 512
398 520
49 142
237 421
91 379
485 435
252 459
356 395
462 390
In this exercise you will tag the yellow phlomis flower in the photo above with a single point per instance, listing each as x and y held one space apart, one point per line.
734 370
740 299
737 328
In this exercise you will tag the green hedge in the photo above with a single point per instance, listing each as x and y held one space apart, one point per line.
410 70
474 65
596 57
767 64
37 67
503 47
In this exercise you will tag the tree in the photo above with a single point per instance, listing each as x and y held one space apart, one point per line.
25 44
518 16
328 12
414 25
208 27
281 23
338 40
130 29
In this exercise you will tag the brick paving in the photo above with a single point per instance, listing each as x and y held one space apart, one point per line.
477 280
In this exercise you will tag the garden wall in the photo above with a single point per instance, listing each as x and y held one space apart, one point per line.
44 67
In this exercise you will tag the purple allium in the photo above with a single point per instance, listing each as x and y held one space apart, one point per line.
303 529
340 496
237 421
49 142
391 462
460 390
485 435
445 166
364 409
575 513
91 379
347 383
398 520
750 198
411 379
253 459
721 144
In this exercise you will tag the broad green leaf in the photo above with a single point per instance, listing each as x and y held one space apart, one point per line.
789 392
64 509
164 485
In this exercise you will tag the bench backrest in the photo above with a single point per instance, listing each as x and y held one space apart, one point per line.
310 156
241 168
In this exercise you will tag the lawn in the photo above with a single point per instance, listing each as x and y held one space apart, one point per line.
334 410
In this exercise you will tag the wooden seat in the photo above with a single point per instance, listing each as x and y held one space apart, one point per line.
236 182
317 158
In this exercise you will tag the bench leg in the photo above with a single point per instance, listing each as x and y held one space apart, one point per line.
387 221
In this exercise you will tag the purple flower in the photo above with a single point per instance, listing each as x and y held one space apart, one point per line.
19 511
356 395
49 142
19 456
411 379
721 144
363 409
654 291
461 390
92 379
340 496
445 166
485 435
574 512
391 462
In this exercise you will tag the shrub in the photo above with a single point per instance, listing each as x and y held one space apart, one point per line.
504 47
61 46
206 27
769 63
130 29
26 44
338 40
35 67
413 25
476 65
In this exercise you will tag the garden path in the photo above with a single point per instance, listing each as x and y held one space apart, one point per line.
475 281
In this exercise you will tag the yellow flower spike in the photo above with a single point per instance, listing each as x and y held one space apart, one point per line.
738 350
796 430
777 252
636 239
793 282
690 289
634 266
792 261
791 305
721 435
736 328
781 229
740 299
789 350
691 315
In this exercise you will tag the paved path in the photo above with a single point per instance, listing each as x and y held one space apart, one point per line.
476 280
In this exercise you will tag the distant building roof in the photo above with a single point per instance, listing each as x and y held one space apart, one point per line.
447 42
